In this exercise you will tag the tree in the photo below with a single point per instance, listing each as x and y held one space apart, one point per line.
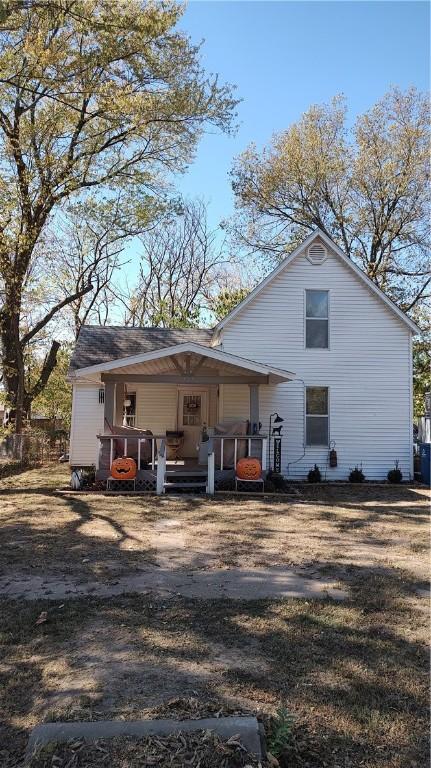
226 300
88 247
421 363
180 262
55 402
366 188
94 94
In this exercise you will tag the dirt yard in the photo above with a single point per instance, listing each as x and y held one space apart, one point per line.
353 672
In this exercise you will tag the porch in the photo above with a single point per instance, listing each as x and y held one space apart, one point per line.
186 414
211 470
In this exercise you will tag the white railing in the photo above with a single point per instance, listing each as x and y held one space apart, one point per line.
161 468
130 420
128 441
251 441
210 468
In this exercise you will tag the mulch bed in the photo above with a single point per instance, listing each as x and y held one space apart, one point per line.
201 749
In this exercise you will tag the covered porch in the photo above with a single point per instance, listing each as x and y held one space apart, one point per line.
185 413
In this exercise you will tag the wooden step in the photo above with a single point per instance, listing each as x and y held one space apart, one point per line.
185 473
176 486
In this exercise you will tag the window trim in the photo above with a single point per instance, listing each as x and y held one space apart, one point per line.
133 417
317 349
328 416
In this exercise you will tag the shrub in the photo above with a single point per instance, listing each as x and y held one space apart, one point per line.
356 475
314 475
281 732
395 475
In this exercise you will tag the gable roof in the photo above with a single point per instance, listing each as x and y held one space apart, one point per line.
98 344
275 374
318 233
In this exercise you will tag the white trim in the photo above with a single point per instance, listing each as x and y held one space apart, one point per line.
327 318
189 346
410 368
283 264
327 415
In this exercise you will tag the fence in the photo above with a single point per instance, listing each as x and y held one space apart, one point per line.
32 449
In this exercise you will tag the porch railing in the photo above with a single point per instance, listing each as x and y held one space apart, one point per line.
161 468
257 446
129 440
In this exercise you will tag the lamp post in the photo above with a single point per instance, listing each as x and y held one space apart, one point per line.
273 419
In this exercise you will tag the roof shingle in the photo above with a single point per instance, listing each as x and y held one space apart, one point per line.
100 344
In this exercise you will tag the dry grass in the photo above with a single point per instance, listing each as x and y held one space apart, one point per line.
324 526
354 674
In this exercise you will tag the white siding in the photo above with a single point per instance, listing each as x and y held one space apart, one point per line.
367 368
156 407
86 424
213 405
235 402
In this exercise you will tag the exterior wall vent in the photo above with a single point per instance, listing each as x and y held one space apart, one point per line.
316 253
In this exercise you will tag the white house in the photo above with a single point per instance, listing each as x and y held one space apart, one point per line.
316 343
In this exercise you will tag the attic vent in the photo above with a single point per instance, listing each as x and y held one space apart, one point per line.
316 253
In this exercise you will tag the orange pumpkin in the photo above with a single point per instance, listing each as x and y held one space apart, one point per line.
249 469
123 468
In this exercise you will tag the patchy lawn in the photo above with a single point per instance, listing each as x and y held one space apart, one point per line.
354 673
105 536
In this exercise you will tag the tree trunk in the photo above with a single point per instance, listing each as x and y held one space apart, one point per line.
19 398
12 356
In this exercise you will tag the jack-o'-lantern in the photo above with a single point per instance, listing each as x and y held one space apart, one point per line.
249 469
123 468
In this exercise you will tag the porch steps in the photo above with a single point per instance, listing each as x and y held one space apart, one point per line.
186 473
187 481
181 486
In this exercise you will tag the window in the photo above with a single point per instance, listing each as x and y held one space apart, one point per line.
316 319
192 410
316 416
129 410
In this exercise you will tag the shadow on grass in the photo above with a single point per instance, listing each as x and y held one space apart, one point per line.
352 673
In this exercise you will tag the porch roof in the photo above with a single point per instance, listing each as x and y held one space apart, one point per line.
188 363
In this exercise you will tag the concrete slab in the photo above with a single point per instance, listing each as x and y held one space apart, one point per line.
236 584
246 727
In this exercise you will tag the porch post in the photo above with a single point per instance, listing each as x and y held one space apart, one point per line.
119 402
254 406
254 445
109 405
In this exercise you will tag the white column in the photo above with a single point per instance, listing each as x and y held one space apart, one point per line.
109 408
161 468
211 468
254 405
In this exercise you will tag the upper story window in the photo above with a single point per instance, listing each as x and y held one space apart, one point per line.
316 319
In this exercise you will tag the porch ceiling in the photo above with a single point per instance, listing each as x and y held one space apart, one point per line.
187 363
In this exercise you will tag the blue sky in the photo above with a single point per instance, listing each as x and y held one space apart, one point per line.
284 56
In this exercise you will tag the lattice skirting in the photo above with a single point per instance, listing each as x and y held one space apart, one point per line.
145 483
224 480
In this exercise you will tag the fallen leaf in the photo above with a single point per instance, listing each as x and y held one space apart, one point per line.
42 618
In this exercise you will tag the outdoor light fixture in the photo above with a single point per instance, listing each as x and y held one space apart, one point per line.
273 419
101 395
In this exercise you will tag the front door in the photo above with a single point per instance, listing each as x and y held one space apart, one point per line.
192 414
